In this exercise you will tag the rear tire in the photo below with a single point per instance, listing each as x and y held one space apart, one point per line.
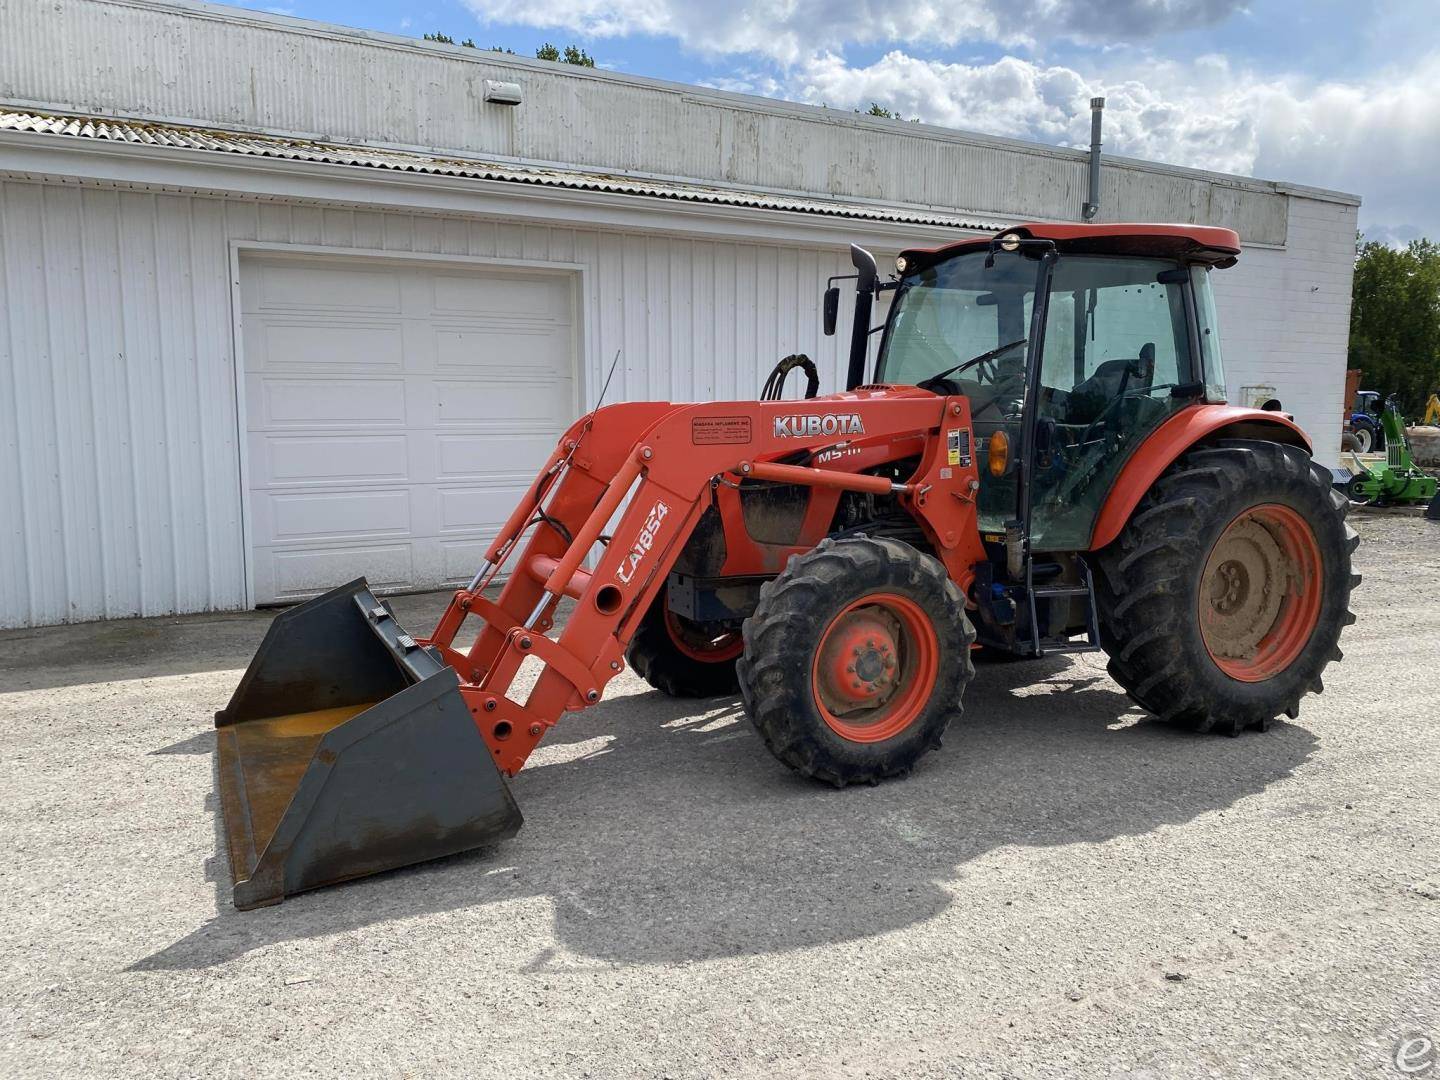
1364 438
855 660
1199 609
679 658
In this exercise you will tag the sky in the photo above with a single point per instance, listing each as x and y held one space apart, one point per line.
1333 94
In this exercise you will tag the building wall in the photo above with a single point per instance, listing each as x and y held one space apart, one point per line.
1285 318
118 440
119 456
232 69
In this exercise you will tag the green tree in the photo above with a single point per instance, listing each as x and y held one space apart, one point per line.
876 109
1395 320
570 55
446 39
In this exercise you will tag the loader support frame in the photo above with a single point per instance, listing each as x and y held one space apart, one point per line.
668 473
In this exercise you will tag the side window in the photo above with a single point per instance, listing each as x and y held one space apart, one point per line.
1127 318
1059 366
1116 342
1209 328
1104 310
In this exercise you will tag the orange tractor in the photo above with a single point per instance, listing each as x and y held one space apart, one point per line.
1041 460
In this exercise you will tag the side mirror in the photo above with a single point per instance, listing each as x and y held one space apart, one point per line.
832 309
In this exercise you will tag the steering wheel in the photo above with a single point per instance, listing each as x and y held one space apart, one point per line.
1073 450
981 363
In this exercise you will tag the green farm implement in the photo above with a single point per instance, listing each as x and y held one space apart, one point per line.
1399 481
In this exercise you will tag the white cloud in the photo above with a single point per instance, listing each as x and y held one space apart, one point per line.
1379 137
790 30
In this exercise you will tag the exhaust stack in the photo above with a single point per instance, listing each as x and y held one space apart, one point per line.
1097 111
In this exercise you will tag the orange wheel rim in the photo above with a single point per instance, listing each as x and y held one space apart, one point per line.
693 642
1259 600
875 667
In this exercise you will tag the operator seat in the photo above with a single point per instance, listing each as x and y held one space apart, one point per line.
1111 379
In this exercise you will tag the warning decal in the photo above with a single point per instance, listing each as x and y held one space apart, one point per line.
957 446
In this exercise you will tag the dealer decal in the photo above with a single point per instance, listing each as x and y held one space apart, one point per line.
714 430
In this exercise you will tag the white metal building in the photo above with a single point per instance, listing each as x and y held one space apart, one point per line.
284 303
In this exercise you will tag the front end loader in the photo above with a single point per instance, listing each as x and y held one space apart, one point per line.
1040 461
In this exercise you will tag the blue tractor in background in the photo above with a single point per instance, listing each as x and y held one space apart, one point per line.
1365 425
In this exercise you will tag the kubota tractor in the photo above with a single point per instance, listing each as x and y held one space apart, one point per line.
1041 460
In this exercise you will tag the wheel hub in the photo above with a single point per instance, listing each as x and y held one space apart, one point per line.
858 663
1259 593
1247 575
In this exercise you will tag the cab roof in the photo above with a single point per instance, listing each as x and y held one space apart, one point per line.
1198 243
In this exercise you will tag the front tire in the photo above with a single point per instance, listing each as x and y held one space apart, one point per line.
855 660
1222 601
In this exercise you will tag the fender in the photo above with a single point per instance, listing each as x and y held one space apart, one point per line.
1171 439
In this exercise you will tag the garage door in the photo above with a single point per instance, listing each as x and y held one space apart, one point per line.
395 413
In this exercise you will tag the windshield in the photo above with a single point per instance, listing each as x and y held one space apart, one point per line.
947 313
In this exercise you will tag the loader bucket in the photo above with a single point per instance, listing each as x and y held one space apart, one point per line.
346 750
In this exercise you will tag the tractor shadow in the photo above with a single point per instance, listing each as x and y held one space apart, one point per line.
662 831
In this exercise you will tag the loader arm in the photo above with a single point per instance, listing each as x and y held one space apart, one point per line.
667 472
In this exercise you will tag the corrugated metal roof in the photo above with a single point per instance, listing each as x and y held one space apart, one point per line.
234 142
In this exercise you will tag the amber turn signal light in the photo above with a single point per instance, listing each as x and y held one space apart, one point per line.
998 455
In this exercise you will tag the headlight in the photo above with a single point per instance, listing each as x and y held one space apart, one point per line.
901 264
1010 242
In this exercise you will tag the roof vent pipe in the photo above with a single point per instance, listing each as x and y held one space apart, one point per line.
1097 110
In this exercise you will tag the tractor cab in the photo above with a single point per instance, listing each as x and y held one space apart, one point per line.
1078 342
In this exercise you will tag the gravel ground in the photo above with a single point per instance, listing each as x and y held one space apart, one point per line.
1066 889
